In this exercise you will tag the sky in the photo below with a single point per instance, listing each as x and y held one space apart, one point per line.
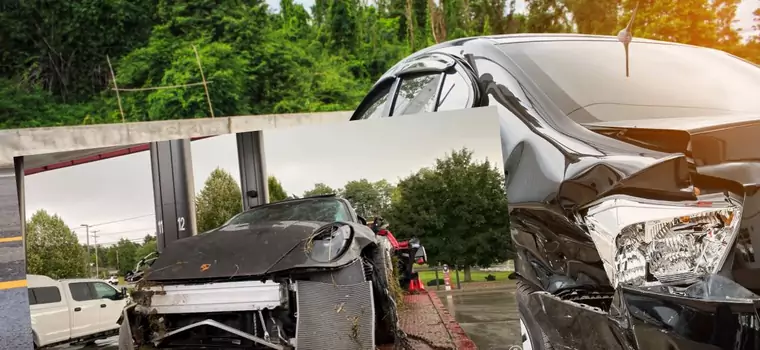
115 196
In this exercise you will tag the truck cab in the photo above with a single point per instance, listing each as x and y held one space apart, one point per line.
73 310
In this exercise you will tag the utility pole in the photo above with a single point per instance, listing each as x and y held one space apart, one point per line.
87 260
118 266
95 238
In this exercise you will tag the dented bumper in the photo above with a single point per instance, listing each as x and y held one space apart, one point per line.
647 320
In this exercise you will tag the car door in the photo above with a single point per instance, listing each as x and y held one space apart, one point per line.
50 314
84 309
111 303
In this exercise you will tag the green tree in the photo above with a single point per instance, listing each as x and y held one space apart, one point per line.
126 250
52 249
276 192
458 209
218 201
685 21
368 198
319 189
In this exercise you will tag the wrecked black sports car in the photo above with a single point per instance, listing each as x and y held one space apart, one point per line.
632 172
304 273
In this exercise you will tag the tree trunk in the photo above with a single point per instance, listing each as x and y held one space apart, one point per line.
467 274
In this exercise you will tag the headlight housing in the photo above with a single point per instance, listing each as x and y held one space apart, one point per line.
645 242
329 242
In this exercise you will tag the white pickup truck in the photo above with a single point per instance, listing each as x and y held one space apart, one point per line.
73 310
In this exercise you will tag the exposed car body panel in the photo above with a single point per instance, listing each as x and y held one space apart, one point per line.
554 167
216 297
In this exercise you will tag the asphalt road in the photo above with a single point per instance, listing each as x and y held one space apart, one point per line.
488 317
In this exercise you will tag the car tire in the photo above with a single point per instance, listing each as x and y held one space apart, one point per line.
533 338
386 315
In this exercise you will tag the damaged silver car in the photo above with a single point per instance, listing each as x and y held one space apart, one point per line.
304 273
632 169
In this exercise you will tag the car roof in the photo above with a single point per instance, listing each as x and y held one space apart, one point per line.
75 280
535 37
34 281
502 39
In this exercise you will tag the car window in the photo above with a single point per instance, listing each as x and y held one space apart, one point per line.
376 108
456 92
44 295
417 94
104 291
81 291
587 80
324 210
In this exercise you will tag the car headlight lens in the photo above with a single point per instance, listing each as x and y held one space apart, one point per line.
644 242
329 242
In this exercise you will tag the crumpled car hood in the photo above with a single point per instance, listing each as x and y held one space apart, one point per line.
235 251
714 150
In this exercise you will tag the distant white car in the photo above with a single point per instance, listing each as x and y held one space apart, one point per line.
113 280
73 311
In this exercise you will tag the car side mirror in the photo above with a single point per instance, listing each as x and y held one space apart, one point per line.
362 220
123 293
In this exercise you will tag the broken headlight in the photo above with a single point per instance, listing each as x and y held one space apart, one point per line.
643 242
329 242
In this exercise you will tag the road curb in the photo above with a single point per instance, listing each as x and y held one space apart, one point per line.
461 340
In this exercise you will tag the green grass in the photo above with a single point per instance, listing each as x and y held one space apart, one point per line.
477 276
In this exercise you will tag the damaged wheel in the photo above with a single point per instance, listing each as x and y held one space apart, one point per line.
533 338
386 315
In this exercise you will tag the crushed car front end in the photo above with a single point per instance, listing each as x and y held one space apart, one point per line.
676 273
322 289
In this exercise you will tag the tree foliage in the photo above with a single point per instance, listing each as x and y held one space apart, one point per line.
458 209
368 198
54 71
219 200
276 192
122 256
319 189
52 249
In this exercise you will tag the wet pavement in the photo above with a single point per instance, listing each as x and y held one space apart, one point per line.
489 317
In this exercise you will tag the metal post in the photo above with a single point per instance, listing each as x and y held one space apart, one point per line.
437 283
87 258
253 173
95 239
15 327
173 191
